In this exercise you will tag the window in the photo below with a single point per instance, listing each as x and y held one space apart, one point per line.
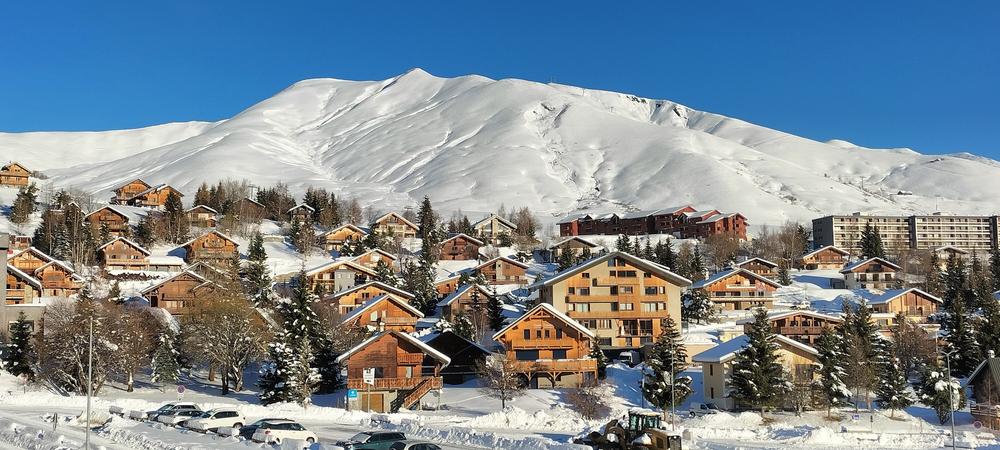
614 290
559 354
547 333
604 324
585 275
711 371
526 355
538 334
650 290
627 290
584 291
626 306
527 335
653 306
580 307
559 333
571 291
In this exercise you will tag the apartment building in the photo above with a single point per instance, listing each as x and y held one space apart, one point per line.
969 233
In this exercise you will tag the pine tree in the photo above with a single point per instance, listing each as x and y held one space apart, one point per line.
144 234
943 394
932 275
19 358
256 276
892 390
647 251
385 274
980 286
602 360
202 197
861 344
302 377
24 204
494 312
462 326
830 368
758 378
954 281
667 360
420 282
697 269
783 277
871 243
988 330
960 337
995 268
165 364
665 254
176 219
115 293
566 260
697 306
623 244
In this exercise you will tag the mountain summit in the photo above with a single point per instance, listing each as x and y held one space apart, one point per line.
473 143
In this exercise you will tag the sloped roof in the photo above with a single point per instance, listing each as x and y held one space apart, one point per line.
719 276
346 225
671 211
757 259
375 250
356 312
14 163
642 263
826 247
404 336
132 214
499 219
33 250
718 217
157 188
340 262
991 364
775 315
571 217
854 265
378 284
66 267
430 338
502 258
398 216
891 294
253 201
300 205
459 292
24 277
728 350
551 310
202 207
188 272
216 232
127 241
469 238
130 182
573 238
950 248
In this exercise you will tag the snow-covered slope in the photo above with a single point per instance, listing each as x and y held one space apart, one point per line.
474 143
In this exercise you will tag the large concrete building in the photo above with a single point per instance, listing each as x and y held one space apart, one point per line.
970 233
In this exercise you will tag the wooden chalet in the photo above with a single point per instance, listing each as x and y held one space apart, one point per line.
202 216
20 242
395 225
738 289
551 349
179 293
350 299
334 240
575 245
913 303
503 270
250 210
21 287
798 359
760 266
405 370
302 213
623 299
460 247
128 191
123 254
985 386
371 258
213 248
154 197
493 228
872 273
801 325
464 355
117 219
209 272
384 312
824 258
14 174
338 276
29 259
945 252
58 279
463 299
446 286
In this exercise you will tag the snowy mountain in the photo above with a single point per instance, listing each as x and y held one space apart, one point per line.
474 143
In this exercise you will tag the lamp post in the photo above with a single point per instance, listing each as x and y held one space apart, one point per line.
90 379
951 390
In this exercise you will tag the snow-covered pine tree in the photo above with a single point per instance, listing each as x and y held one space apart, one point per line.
623 244
385 274
960 328
995 267
636 247
830 369
988 329
420 282
758 378
272 382
24 204
462 326
257 278
697 306
861 345
18 357
954 280
302 377
667 360
165 364
980 286
940 393
647 251
565 260
494 312
871 243
892 391
783 277
602 360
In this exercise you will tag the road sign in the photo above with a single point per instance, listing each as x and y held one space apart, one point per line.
369 375
855 416
352 393
977 424
180 389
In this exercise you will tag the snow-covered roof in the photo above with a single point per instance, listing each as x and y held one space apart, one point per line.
65 267
854 265
157 188
356 312
718 217
195 275
398 216
551 310
431 337
636 214
502 258
950 248
377 284
571 217
300 205
442 280
166 260
499 219
340 262
132 214
127 241
646 264
719 276
253 201
346 225
824 248
670 211
24 277
417 342
33 250
757 259
375 250
775 315
459 292
728 350
888 296
216 232
467 237
701 214
994 366
202 207
573 238
130 182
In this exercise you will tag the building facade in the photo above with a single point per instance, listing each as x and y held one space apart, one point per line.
550 349
683 222
969 233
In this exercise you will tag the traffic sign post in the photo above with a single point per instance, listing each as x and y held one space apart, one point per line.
368 377
180 391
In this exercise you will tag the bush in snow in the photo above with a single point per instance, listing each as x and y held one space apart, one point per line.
589 400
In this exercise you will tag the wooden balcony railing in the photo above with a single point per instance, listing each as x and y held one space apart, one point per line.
523 344
393 383
410 358
985 410
799 330
558 365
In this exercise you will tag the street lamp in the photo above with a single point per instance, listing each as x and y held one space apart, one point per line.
951 390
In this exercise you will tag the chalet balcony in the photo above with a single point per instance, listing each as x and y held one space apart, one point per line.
742 286
393 384
526 344
634 314
60 284
557 365
410 359
979 410
800 330
396 321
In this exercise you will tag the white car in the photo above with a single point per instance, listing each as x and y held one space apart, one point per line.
217 418
702 409
176 418
167 409
414 445
278 430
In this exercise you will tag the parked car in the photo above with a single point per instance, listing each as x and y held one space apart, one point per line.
178 417
701 409
372 440
217 418
168 408
278 430
247 431
414 445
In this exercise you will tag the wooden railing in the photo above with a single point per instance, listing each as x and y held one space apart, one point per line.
410 358
793 330
557 365
543 343
418 393
394 383
985 410
634 314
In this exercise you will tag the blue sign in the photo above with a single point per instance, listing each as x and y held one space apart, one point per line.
352 393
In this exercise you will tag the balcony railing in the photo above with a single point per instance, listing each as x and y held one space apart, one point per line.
541 343
985 410
800 330
557 365
410 358
634 314
392 383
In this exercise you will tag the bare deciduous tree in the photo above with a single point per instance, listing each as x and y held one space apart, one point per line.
225 331
132 331
500 378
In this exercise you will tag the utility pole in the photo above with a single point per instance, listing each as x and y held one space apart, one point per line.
673 403
90 380
951 392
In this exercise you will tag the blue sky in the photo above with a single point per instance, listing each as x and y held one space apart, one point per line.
917 74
